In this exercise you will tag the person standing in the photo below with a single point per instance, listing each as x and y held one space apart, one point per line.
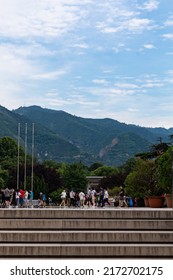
122 200
17 196
101 197
72 198
82 199
31 197
7 197
63 198
21 197
106 197
89 197
40 200
44 200
93 197
26 199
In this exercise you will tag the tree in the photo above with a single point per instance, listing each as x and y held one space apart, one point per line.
8 148
156 151
128 166
164 171
141 181
39 186
51 164
50 175
114 180
104 171
1 183
74 177
95 165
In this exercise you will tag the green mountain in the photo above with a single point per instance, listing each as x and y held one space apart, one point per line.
63 137
48 145
104 140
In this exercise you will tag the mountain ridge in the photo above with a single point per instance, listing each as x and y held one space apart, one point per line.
104 139
61 136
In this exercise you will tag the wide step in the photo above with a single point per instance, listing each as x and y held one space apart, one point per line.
85 250
75 224
86 236
86 233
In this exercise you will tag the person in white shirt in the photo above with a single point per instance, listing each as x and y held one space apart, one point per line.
93 197
106 197
26 199
72 198
82 199
63 198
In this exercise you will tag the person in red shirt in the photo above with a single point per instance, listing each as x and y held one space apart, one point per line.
21 197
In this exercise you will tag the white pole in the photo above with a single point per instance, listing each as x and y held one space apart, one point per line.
32 170
25 156
18 155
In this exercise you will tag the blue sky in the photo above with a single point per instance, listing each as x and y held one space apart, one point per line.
90 58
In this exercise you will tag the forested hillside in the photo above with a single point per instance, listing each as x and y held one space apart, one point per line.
62 137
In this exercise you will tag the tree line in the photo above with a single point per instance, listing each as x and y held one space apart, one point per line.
138 175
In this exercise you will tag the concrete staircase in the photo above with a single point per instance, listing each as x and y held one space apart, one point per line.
86 233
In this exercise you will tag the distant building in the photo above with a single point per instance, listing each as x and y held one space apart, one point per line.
93 181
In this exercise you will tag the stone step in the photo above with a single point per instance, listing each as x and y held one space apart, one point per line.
86 233
76 224
86 236
88 213
102 250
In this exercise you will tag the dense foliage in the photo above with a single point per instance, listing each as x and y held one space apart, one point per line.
164 170
141 181
140 176
74 177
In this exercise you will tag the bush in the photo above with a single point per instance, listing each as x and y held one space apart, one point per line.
142 182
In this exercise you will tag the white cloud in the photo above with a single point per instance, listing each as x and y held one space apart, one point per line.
52 93
133 110
111 92
81 46
101 81
133 25
125 85
153 85
169 22
35 18
50 75
14 66
150 5
119 47
73 100
139 24
168 36
169 78
25 51
149 46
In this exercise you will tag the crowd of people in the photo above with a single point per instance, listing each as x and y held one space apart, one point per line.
16 198
81 199
11 198
93 198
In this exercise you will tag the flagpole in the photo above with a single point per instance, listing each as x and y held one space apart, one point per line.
18 155
25 155
32 168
